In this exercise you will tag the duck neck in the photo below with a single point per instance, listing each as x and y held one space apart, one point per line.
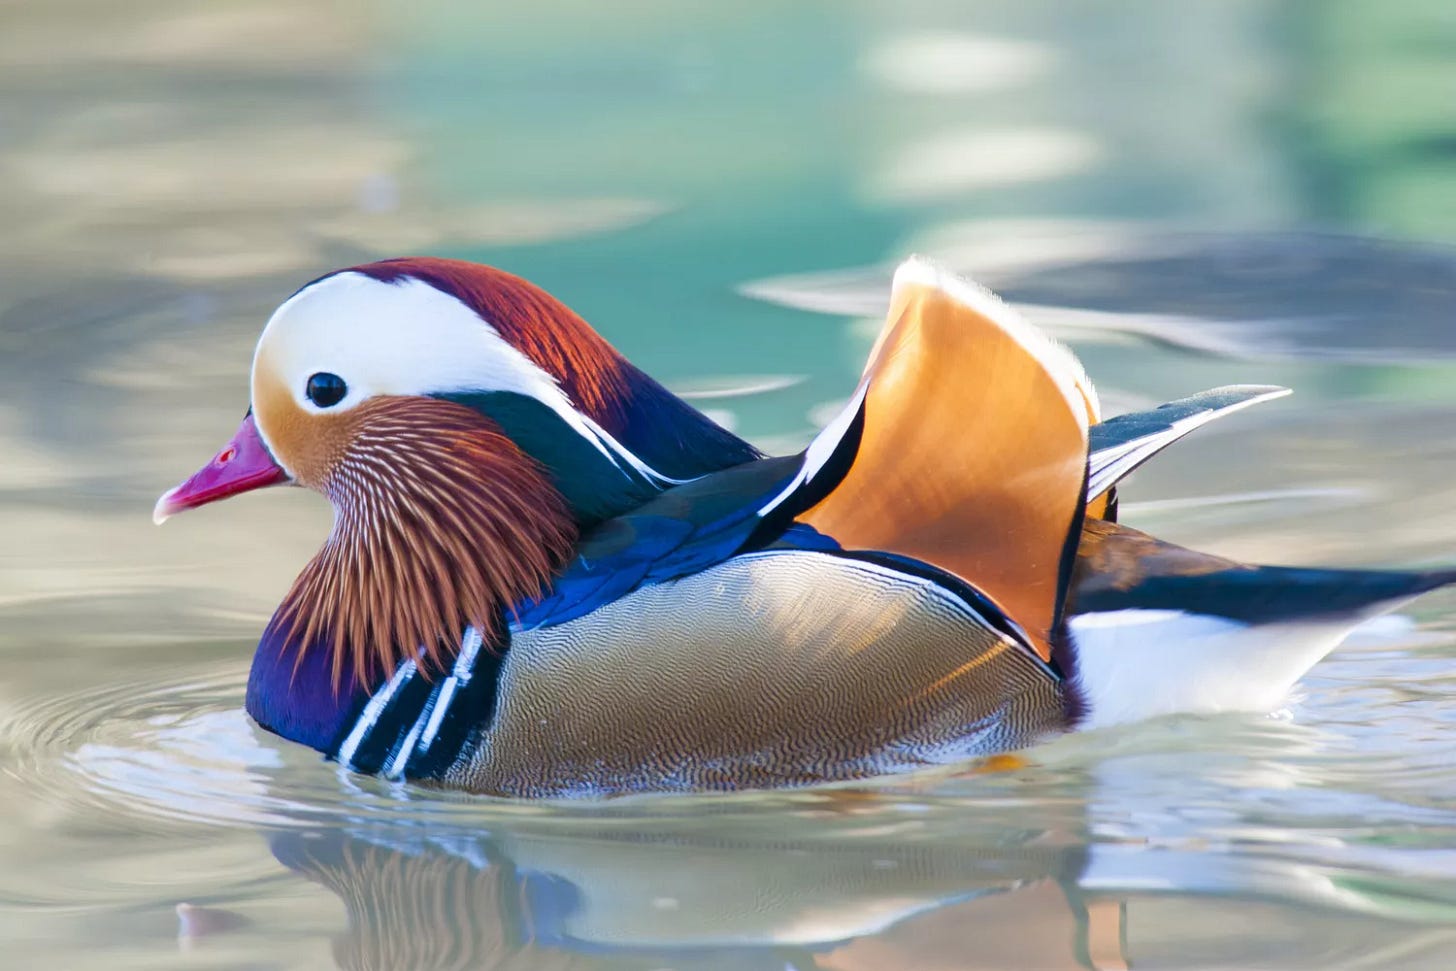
665 431
608 463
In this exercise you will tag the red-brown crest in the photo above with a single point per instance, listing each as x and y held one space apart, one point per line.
593 374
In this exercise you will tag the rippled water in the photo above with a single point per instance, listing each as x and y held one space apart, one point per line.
1192 195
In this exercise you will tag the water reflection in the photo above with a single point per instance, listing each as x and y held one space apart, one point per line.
847 882
698 901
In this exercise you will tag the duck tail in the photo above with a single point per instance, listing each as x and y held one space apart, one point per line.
1157 629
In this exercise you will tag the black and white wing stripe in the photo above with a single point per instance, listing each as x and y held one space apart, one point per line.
412 728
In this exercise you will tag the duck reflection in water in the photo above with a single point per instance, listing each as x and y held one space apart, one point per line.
631 899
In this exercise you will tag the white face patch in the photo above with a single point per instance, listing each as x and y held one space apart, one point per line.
401 338
406 338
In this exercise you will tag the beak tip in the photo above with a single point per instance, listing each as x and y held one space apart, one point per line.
244 464
163 510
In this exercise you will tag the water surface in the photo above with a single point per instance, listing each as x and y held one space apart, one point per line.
1213 193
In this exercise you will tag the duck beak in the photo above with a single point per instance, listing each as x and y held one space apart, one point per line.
243 465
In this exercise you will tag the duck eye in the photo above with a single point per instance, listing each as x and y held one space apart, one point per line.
325 389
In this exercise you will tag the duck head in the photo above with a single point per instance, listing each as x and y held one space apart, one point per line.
465 426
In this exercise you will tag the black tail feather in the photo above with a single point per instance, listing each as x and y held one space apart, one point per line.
1268 594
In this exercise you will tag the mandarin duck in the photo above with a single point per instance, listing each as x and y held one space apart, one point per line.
549 576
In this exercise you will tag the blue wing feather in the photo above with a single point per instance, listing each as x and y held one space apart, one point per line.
683 531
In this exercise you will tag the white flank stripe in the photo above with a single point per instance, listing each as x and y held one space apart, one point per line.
394 768
469 647
459 675
372 710
437 713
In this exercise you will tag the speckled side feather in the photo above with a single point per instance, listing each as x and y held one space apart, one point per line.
769 669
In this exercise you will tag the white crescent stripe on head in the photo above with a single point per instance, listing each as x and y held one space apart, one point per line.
407 338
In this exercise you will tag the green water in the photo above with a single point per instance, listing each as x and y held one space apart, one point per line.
1191 193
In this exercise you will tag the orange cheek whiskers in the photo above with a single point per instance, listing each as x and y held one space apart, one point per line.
441 523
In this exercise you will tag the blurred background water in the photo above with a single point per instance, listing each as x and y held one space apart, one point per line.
1192 193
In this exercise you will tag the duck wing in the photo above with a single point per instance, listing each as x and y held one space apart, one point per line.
680 532
964 447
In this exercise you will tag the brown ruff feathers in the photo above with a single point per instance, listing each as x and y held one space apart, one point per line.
440 522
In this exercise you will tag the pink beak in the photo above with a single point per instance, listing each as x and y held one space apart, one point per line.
243 465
